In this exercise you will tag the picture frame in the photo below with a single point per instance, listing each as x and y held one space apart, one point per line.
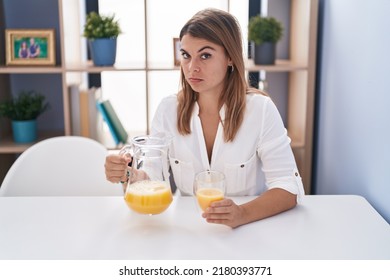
176 51
30 47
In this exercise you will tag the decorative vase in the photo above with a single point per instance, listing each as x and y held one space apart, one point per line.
24 131
103 51
265 53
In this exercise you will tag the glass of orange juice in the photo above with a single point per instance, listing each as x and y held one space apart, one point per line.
209 186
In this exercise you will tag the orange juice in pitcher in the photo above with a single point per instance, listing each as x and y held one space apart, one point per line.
148 190
148 197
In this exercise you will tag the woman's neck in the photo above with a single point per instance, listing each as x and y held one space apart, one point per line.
208 104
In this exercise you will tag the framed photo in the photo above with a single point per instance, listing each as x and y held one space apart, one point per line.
176 51
30 47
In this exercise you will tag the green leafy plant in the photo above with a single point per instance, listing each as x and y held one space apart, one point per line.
26 106
100 26
264 29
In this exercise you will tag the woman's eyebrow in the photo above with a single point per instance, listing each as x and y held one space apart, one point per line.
201 49
206 47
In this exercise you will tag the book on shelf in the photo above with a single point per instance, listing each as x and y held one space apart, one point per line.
85 120
74 102
115 126
89 117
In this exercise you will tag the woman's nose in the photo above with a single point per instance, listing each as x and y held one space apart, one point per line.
193 66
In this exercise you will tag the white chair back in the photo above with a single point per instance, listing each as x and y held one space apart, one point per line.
60 166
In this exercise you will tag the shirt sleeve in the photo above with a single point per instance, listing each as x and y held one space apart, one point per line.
157 121
164 119
159 125
274 150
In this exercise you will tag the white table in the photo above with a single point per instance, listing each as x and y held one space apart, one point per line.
321 227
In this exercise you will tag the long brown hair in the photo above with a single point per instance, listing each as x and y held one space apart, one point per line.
221 28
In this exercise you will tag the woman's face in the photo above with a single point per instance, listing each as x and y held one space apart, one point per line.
204 64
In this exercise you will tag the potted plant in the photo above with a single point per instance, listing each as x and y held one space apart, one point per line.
102 32
265 32
23 112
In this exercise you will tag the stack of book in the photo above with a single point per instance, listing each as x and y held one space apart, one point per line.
85 120
89 113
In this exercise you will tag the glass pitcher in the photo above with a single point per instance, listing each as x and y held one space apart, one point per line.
148 190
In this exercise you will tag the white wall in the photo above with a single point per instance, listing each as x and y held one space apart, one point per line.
353 146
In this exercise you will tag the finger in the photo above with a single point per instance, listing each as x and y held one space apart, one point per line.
114 163
127 158
217 216
116 175
120 174
116 179
218 221
219 209
222 203
115 159
109 167
113 179
116 167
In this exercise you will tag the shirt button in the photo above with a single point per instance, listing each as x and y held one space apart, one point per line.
176 161
296 174
242 165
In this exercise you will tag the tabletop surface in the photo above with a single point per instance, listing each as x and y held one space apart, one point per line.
320 227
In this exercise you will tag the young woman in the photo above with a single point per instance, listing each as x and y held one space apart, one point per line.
34 48
23 50
219 123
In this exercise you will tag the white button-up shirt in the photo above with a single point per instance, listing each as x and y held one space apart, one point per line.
259 158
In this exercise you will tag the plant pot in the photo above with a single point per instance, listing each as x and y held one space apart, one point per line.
24 131
265 53
103 51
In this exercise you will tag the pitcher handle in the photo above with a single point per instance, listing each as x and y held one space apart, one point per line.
127 149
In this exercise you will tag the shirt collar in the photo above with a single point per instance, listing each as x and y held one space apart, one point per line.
221 112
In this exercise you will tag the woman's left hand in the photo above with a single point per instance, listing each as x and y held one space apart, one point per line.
224 212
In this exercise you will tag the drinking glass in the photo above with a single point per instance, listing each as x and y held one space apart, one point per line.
209 186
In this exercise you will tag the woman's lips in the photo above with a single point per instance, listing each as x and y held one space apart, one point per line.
194 80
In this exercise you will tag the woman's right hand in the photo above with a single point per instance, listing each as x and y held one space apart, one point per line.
116 167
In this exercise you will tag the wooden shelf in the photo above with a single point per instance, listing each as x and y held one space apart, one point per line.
88 67
30 70
280 66
7 145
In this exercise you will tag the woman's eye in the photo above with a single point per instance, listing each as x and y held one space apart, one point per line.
185 55
205 56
